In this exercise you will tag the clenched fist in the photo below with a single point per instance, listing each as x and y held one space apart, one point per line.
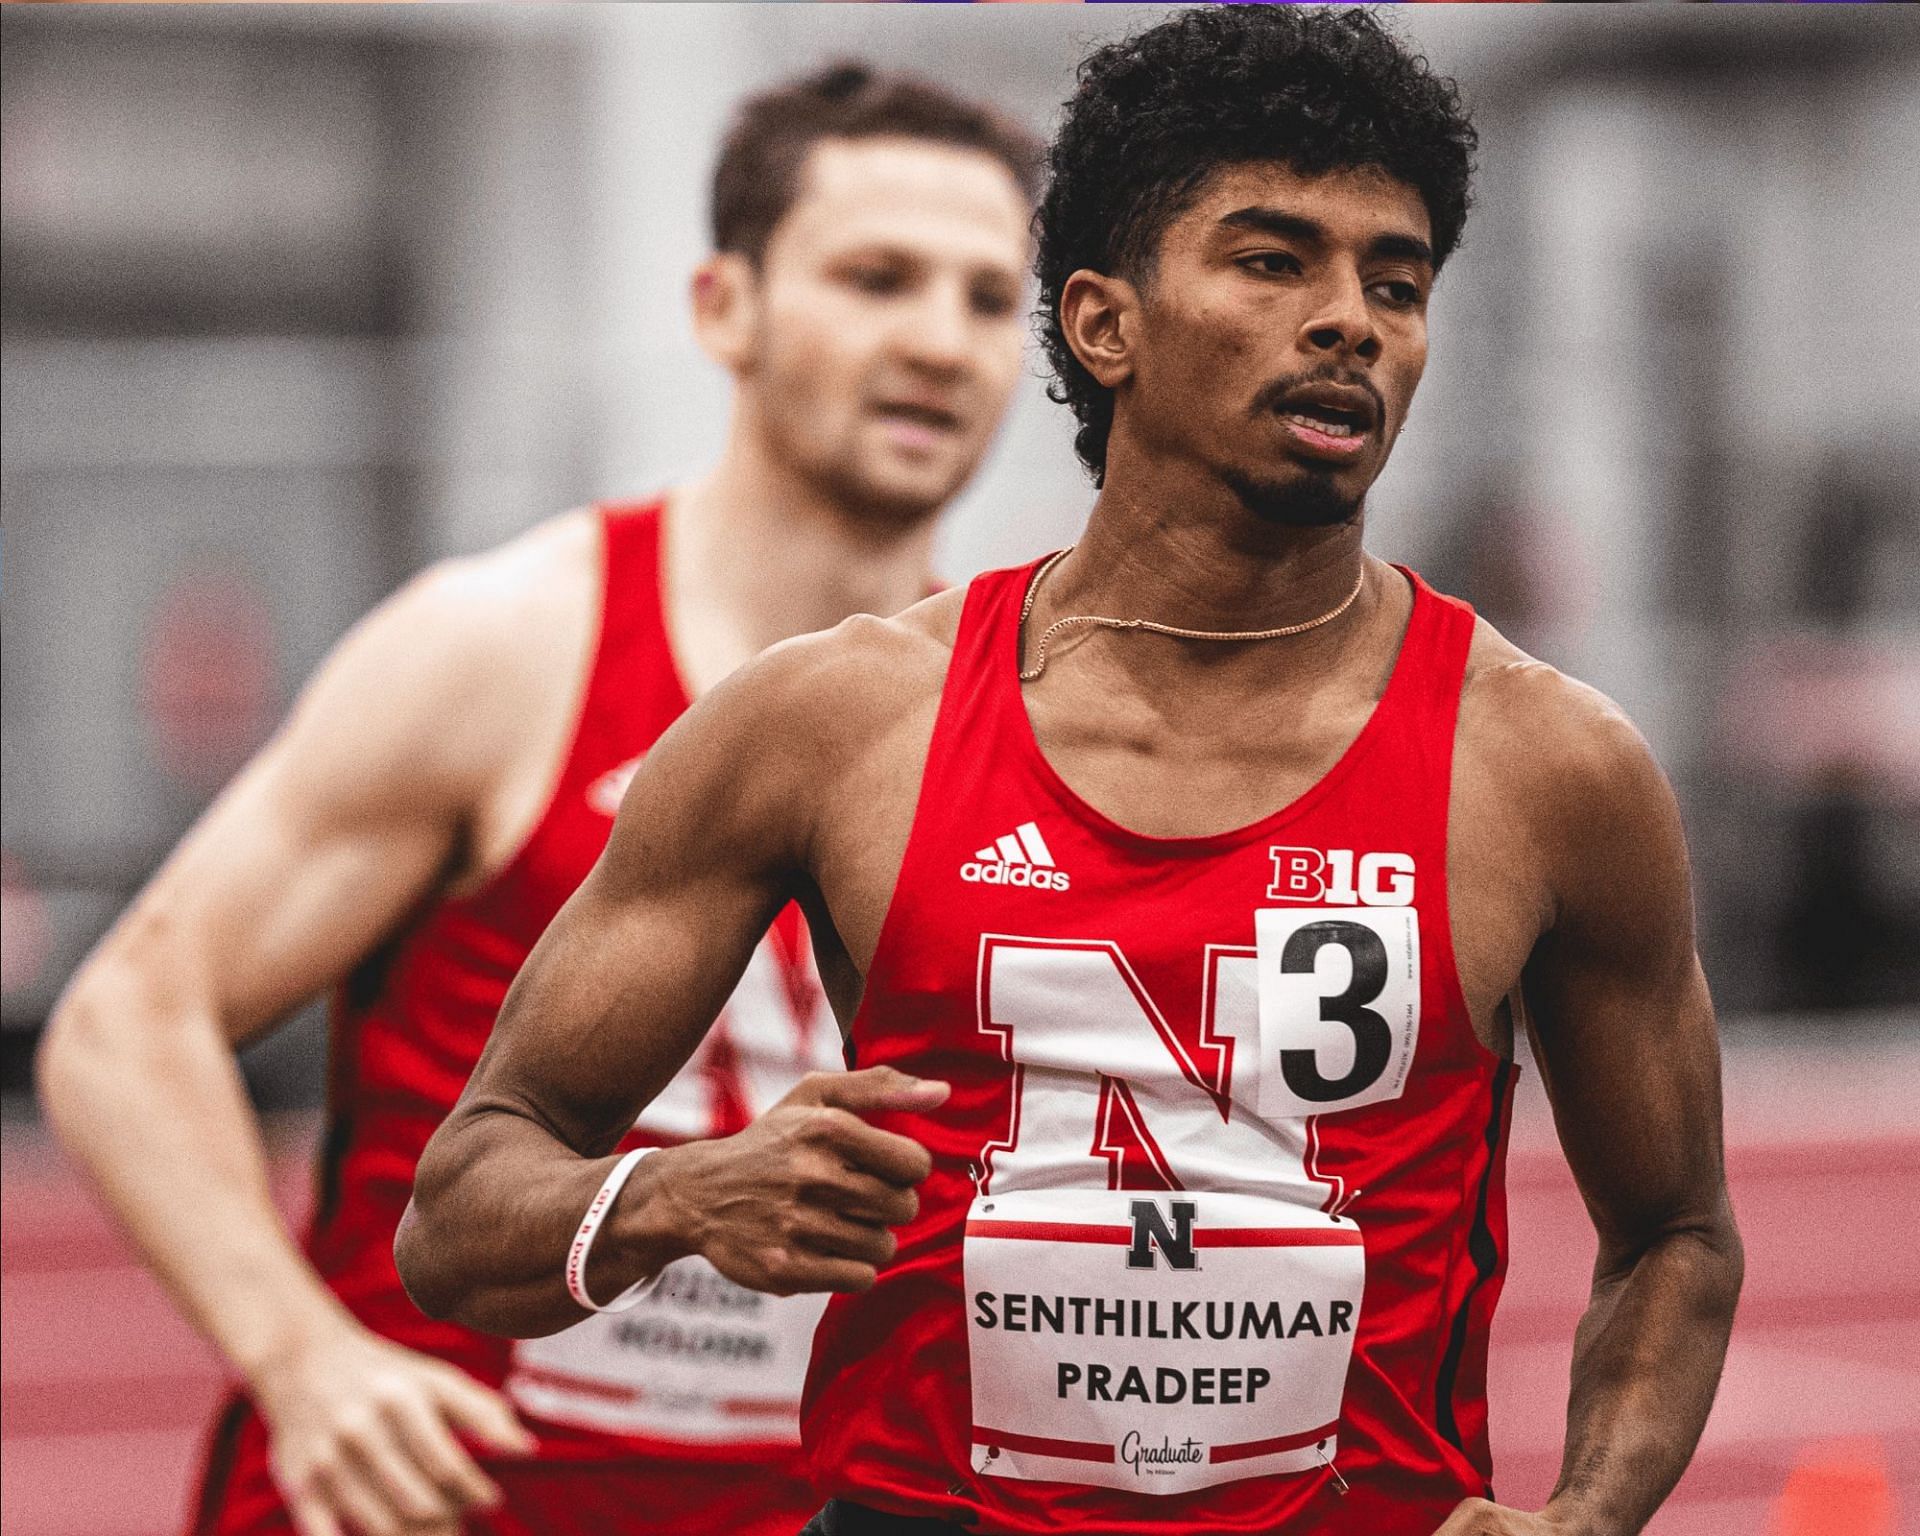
803 1199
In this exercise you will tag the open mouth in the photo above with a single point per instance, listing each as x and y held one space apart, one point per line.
915 414
1330 421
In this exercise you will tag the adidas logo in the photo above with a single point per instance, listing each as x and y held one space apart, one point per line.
1020 858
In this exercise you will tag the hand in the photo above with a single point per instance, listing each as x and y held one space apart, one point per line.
1476 1517
802 1199
362 1437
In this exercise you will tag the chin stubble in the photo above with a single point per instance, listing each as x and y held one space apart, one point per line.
1306 501
870 504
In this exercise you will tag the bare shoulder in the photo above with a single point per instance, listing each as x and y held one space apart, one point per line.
846 687
470 645
1564 762
490 604
905 650
1547 726
768 756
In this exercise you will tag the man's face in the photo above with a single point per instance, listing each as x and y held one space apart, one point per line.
888 317
1282 331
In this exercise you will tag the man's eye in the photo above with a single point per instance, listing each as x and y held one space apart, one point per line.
1273 262
992 303
876 280
1402 295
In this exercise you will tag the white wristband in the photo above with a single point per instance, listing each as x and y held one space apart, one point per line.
597 1209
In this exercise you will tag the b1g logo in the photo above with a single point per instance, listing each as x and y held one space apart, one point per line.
1333 877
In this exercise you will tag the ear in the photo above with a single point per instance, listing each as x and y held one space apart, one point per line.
726 309
1100 316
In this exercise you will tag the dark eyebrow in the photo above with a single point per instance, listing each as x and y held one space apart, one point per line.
1294 226
1272 221
1406 247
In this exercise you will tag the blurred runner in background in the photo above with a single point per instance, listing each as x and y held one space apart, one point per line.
445 782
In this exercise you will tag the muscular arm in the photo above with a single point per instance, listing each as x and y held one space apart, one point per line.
314 853
316 850
1624 1033
713 838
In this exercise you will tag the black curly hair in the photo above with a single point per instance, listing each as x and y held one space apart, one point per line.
1155 114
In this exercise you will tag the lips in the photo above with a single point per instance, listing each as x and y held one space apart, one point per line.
920 413
1336 407
1328 421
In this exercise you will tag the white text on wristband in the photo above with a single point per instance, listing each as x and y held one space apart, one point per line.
597 1209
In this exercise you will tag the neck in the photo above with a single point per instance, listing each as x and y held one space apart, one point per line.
1175 546
755 554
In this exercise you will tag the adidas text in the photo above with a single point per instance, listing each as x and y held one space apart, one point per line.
1022 857
1014 874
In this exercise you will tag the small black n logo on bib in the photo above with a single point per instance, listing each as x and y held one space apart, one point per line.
1151 1233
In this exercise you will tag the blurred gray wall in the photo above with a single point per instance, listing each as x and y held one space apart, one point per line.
295 300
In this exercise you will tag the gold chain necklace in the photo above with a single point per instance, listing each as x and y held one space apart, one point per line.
1046 635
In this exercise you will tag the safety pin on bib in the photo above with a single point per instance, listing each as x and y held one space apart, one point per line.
1340 1483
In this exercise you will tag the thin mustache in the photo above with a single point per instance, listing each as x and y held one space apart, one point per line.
1273 396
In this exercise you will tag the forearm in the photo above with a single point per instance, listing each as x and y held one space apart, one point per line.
1647 1359
497 1200
151 1105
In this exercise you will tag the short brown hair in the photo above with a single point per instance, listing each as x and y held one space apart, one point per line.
758 176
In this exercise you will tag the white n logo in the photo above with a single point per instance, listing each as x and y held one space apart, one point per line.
1099 1073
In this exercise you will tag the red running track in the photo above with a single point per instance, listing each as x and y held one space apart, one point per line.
106 1392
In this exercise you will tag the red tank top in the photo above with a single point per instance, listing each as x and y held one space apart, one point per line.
1216 1202
707 1368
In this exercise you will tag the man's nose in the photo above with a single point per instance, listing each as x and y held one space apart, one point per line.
937 332
1341 321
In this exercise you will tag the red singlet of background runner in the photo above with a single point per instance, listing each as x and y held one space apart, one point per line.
1217 1198
407 1030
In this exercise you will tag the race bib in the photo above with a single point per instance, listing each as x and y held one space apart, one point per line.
1339 1006
1157 1342
700 1359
